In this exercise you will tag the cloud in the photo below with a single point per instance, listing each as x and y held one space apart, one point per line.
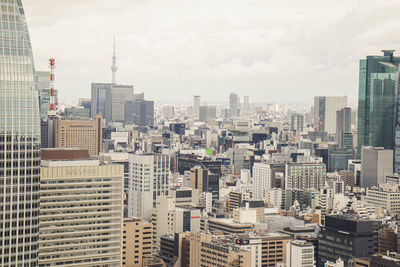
274 51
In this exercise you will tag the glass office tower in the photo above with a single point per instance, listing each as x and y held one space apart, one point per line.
19 141
376 100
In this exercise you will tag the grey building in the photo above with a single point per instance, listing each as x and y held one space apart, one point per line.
207 112
376 163
233 105
19 141
119 95
297 122
345 237
139 112
339 159
101 100
325 108
344 137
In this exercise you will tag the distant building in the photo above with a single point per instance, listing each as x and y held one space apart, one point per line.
101 100
305 175
344 137
262 180
387 197
204 181
233 105
79 134
297 122
196 107
325 108
139 113
119 95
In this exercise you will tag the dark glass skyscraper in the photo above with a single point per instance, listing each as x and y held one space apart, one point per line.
19 141
376 100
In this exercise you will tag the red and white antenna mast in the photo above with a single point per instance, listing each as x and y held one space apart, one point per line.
53 109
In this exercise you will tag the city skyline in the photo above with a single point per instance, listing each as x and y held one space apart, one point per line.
249 49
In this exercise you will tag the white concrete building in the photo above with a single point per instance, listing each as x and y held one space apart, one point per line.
299 254
261 179
149 178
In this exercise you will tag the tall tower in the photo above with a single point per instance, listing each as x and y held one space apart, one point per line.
114 67
19 141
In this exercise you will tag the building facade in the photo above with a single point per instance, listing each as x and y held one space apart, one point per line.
149 178
81 213
325 108
305 176
19 141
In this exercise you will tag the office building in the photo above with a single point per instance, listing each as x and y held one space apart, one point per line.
262 179
139 113
119 95
81 213
137 242
19 141
206 250
386 196
297 122
149 178
79 134
345 237
228 226
186 164
204 181
236 200
325 108
207 112
387 241
376 164
233 105
196 107
299 253
339 159
344 137
347 177
305 175
355 167
101 100
376 100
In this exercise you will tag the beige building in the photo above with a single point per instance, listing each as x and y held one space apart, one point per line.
209 250
81 213
137 242
79 134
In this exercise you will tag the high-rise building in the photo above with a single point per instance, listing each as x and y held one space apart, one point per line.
233 105
81 213
262 179
79 134
19 141
376 100
376 164
119 95
207 112
325 108
101 100
196 107
297 122
139 112
149 178
344 137
137 242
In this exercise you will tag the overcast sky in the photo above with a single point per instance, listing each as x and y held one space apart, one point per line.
274 51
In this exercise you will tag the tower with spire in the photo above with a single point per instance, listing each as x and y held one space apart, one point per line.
114 67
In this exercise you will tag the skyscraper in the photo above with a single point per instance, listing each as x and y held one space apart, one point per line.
376 100
114 67
233 105
196 107
19 141
344 136
101 100
325 108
